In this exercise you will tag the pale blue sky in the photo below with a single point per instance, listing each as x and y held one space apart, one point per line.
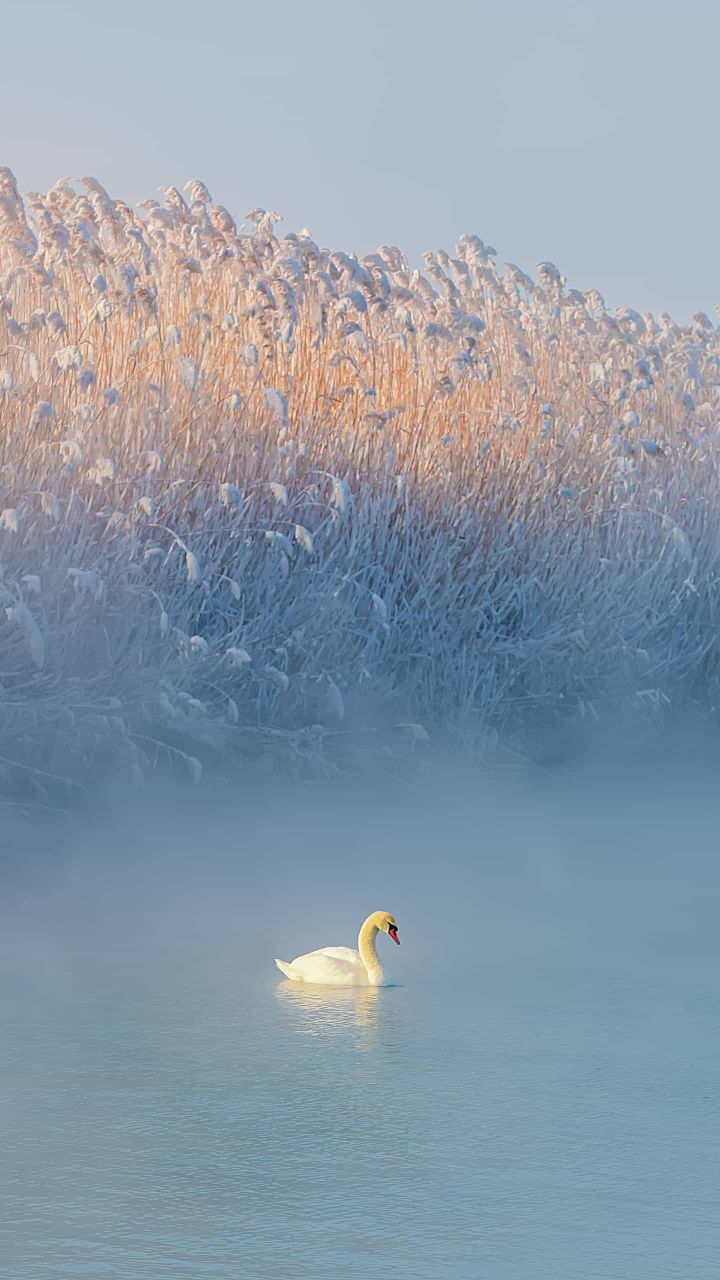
584 131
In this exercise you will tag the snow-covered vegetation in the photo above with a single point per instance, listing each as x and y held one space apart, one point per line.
266 502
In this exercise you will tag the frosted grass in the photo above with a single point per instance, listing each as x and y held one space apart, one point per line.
267 504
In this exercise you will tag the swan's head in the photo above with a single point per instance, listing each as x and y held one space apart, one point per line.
385 923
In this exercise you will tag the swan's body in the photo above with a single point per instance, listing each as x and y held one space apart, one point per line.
343 966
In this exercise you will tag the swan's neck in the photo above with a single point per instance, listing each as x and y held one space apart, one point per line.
368 954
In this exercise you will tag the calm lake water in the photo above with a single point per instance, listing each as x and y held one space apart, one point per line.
537 1099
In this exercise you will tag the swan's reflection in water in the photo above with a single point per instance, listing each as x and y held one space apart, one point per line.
331 1011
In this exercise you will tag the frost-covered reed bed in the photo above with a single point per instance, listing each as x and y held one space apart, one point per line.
266 501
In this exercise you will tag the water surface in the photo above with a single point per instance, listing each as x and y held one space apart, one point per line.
537 1098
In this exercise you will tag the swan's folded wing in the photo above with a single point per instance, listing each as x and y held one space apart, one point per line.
339 965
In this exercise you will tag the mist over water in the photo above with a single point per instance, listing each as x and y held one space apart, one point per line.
536 1097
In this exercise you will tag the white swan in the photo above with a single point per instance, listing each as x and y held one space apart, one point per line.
343 966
